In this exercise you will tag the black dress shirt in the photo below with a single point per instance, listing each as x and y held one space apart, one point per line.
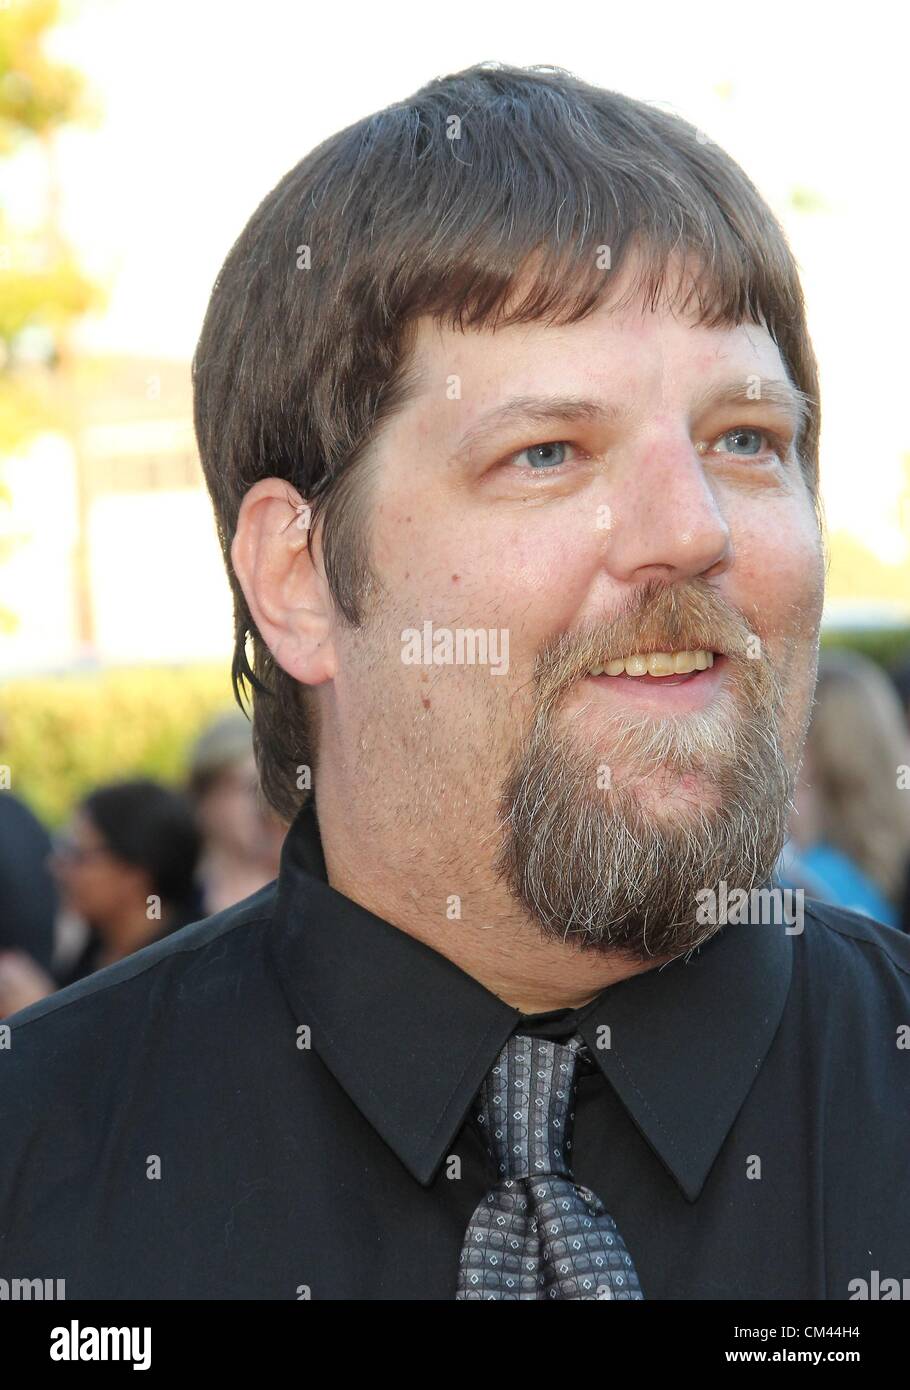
274 1103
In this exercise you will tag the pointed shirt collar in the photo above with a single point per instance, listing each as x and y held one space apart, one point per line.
410 1036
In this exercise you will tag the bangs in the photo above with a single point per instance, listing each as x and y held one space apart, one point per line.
562 285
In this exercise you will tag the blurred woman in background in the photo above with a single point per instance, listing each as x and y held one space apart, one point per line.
126 867
850 834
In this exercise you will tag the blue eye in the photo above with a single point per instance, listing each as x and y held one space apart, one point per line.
745 430
544 459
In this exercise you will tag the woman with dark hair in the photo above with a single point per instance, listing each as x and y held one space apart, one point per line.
126 866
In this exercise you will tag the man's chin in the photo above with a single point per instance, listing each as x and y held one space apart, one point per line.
632 942
664 931
665 794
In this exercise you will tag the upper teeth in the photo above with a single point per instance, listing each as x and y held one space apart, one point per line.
656 664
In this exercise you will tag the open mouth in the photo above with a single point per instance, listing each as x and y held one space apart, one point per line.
660 666
657 672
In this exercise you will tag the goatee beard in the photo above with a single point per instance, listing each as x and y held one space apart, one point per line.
591 856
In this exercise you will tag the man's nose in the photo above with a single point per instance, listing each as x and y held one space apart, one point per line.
665 519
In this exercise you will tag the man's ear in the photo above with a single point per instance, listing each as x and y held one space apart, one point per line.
283 582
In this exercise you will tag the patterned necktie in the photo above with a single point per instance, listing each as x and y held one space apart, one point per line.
537 1234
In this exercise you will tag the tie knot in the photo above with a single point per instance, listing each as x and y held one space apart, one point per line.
526 1106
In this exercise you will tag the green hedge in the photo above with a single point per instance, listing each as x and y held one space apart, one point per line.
886 645
62 735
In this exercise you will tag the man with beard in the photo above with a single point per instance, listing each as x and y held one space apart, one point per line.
491 1034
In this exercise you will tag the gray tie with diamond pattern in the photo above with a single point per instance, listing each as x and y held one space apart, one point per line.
537 1234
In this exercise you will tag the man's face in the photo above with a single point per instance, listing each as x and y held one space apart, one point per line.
645 524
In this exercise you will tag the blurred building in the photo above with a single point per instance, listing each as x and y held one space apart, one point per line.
108 543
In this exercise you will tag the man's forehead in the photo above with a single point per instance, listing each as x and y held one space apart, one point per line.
609 355
436 344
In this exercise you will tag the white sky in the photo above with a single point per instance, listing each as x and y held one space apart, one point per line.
207 103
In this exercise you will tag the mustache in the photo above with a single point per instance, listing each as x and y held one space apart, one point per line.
655 617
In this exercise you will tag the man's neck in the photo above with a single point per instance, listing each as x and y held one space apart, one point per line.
462 911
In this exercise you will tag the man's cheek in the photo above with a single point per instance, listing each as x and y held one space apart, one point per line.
783 582
801 586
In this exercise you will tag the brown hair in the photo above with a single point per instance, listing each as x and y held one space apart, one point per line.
439 205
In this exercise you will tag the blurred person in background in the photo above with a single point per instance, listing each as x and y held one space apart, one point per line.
242 836
850 833
126 865
28 894
900 674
